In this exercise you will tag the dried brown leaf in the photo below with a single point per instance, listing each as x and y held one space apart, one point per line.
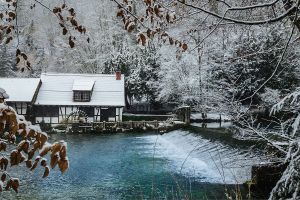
54 160
63 165
46 172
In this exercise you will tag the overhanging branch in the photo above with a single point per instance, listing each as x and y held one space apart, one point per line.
288 12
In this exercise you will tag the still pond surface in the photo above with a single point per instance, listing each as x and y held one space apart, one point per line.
177 165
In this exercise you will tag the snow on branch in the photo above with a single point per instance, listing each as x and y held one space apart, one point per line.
262 5
287 13
290 99
288 187
291 103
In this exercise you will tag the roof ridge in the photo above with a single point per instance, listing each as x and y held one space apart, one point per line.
74 74
18 78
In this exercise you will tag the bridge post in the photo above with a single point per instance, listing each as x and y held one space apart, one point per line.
131 125
184 114
156 124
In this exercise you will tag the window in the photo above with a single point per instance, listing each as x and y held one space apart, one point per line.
89 111
77 96
46 111
20 107
85 96
82 96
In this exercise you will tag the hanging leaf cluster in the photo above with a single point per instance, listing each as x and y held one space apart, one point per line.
7 17
9 28
68 22
27 145
149 23
22 58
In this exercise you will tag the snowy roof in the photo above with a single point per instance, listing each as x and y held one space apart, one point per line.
57 89
83 85
20 89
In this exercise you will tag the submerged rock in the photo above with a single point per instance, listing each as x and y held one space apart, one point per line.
265 176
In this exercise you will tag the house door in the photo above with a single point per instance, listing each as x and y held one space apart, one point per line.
106 113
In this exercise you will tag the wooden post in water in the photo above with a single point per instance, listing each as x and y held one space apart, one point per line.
104 126
184 114
187 115
118 126
156 124
144 124
131 125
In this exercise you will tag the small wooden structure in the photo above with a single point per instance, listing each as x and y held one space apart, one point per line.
184 114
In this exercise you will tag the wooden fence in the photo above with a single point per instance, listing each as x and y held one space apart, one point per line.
127 126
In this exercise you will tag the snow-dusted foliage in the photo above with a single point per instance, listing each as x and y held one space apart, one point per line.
26 144
287 140
288 187
179 80
141 72
290 104
17 31
270 96
249 60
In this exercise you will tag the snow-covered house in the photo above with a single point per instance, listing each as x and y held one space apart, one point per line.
22 94
96 97
55 97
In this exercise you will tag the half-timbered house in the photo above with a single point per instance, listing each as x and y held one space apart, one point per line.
92 97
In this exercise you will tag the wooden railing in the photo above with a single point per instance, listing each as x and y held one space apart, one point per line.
128 125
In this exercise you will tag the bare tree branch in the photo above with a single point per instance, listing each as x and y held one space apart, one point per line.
288 12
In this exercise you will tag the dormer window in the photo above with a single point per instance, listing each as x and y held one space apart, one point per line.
82 90
82 96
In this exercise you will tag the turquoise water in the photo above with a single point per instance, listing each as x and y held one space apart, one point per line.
177 165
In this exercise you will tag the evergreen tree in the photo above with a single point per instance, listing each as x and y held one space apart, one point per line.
250 61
